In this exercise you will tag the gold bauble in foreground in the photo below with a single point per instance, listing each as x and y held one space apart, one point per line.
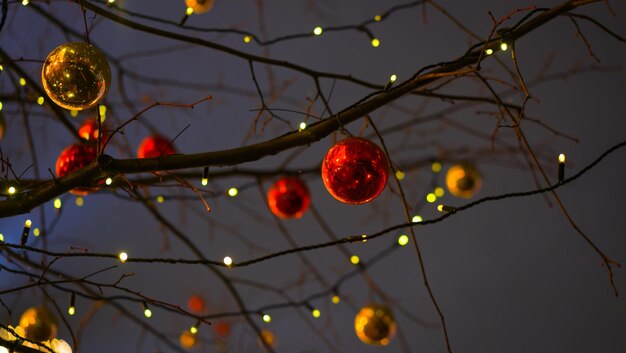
375 325
39 324
200 6
463 180
76 76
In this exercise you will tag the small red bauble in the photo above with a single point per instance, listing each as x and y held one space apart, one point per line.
195 304
355 170
155 146
89 132
288 198
222 329
73 158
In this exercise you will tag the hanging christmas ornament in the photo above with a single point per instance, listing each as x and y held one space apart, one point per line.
188 340
155 146
355 170
76 76
73 158
463 180
222 329
195 304
375 325
39 324
288 198
89 131
3 126
200 6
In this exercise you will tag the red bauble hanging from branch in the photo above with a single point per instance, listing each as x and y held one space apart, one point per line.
89 131
73 158
355 170
155 146
288 198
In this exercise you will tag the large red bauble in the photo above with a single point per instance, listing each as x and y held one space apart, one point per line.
155 146
195 304
288 198
355 170
89 132
73 158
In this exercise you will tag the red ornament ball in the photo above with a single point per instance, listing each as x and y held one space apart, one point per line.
288 198
89 131
155 146
355 171
195 304
73 158
222 329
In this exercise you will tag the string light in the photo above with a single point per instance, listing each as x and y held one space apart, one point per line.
40 100
146 310
403 240
375 42
228 261
57 203
318 30
378 18
79 201
26 231
12 190
36 232
561 167
108 181
364 237
335 299
0 105
302 126
232 192
489 51
316 313
160 199
400 174
205 176
1 237
123 256
445 208
393 78
436 167
102 110
439 192
22 81
431 197
247 38
355 259
193 330
416 219
74 113
189 11
25 2
504 46
267 318
72 309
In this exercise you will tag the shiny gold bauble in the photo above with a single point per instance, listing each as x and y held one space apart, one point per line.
188 340
39 324
463 180
76 76
375 325
200 6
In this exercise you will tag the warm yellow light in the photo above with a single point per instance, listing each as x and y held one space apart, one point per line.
57 203
189 11
316 313
0 105
74 113
440 208
111 1
108 181
335 299
193 330
25 2
1 68
403 240
160 199
36 232
489 51
317 30
232 192
71 310
1 237
439 192
375 42
504 46
147 313
302 126
436 167
431 197
561 158
22 81
123 256
416 219
247 39
364 237
79 201
102 109
354 259
228 261
28 223
205 181
393 78
377 18
400 174
267 318
12 190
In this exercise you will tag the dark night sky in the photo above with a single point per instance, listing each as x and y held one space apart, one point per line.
510 276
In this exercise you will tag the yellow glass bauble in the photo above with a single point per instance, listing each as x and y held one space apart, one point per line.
76 76
375 325
188 340
39 324
200 6
463 180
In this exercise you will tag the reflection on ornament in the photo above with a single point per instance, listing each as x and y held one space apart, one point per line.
355 170
195 304
88 131
288 198
155 146
222 329
268 337
463 180
188 339
39 324
200 6
3 126
73 158
76 76
375 325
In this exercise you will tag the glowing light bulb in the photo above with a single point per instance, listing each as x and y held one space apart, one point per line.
400 174
193 330
160 199
108 181
416 219
247 39
403 240
440 208
355 259
71 310
393 78
123 256
561 158
189 11
431 197
25 2
436 167
22 81
489 51
378 18
232 192
57 203
267 318
102 109
228 261
12 190
1 237
40 100
504 46
318 30
364 237
79 201
375 42
147 313
28 223
205 181
36 232
302 126
74 113
439 192
335 299
316 313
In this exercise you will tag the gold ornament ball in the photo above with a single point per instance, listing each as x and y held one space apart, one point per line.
200 6
76 76
375 325
463 180
188 340
39 324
